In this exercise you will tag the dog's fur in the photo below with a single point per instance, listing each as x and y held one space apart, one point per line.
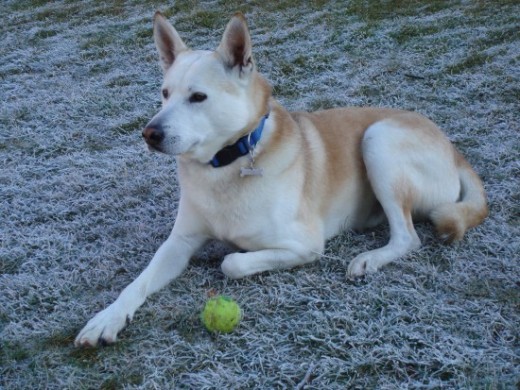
322 172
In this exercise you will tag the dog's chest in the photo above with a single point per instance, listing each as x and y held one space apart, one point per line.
248 212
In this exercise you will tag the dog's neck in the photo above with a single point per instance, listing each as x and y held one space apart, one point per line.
242 147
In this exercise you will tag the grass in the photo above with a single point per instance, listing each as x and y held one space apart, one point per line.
471 60
374 11
84 206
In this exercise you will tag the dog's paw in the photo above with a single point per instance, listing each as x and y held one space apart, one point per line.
233 266
361 265
103 328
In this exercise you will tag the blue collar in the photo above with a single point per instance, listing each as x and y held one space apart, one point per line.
240 148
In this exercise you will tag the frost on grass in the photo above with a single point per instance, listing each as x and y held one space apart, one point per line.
83 206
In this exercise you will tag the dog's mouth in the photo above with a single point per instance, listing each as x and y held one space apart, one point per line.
168 146
156 149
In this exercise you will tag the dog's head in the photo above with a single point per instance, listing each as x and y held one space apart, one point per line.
209 99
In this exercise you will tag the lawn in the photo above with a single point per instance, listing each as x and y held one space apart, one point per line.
84 205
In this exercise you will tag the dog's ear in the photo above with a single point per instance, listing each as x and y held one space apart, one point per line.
235 47
167 40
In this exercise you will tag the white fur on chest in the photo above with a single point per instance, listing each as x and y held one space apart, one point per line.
250 212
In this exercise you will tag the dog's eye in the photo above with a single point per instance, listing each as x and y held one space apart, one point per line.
198 97
165 93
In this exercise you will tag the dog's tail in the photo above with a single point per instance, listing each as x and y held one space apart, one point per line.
453 219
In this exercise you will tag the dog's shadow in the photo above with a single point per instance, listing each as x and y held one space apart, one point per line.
212 254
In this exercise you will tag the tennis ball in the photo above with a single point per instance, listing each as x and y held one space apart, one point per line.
221 314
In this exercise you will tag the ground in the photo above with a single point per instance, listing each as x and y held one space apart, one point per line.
84 205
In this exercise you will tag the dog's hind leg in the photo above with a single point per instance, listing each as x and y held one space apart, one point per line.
403 239
395 180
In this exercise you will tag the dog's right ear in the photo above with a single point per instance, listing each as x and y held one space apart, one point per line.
167 40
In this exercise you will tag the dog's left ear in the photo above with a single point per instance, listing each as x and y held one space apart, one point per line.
235 46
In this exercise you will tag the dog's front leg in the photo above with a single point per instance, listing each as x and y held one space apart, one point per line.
167 264
239 265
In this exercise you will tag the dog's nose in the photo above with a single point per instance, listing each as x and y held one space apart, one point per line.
153 135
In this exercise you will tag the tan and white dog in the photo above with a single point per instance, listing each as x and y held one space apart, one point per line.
279 184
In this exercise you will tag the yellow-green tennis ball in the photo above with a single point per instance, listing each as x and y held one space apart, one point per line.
221 314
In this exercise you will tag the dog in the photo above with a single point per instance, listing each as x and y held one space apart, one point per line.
277 184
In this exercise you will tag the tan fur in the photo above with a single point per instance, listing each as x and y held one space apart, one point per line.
406 196
342 131
453 220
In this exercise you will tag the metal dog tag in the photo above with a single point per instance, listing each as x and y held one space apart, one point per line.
251 171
